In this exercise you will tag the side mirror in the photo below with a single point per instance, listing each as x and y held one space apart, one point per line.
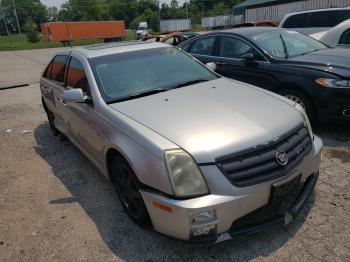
212 66
248 57
74 96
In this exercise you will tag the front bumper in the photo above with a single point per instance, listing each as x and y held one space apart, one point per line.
230 203
333 104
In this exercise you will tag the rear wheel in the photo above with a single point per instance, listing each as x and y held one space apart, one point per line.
51 120
303 101
127 187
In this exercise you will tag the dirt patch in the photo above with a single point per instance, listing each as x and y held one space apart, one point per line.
342 154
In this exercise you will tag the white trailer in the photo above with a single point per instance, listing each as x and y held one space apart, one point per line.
167 26
217 21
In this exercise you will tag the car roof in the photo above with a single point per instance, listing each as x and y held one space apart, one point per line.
248 30
319 10
92 51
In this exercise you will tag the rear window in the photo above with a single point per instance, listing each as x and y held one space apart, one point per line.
296 21
325 19
345 38
59 68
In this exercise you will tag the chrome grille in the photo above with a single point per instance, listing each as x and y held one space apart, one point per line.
259 164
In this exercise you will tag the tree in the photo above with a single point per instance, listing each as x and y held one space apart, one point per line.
26 10
31 31
52 13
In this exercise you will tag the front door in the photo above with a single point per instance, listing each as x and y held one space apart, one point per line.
86 125
230 63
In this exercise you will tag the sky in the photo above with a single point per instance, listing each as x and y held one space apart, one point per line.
59 2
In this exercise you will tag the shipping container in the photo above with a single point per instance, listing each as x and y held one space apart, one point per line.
167 26
277 11
217 21
69 31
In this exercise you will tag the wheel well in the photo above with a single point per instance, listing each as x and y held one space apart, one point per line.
298 88
111 154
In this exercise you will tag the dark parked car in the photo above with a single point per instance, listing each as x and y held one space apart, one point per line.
285 62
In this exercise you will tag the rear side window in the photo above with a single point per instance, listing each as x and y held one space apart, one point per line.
325 19
204 46
59 68
47 73
76 76
296 21
186 47
345 38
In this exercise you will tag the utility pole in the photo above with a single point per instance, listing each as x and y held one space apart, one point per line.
3 17
186 8
15 12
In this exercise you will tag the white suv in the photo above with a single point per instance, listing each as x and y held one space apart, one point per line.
315 21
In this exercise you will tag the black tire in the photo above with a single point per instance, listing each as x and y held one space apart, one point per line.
127 187
51 119
304 101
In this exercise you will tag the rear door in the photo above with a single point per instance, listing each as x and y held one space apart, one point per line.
203 48
52 87
230 63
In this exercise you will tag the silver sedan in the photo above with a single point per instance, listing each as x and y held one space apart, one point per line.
198 156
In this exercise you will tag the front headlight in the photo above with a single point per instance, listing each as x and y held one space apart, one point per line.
306 119
333 83
186 178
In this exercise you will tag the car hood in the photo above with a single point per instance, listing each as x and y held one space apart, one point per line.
333 60
214 118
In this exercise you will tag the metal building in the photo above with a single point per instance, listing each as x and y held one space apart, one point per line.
275 10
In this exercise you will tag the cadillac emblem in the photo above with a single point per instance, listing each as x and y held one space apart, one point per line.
282 158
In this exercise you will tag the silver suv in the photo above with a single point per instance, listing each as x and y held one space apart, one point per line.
199 156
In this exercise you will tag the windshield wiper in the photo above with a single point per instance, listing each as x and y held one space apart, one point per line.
138 95
188 83
284 46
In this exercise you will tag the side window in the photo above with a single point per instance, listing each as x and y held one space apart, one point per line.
186 47
232 47
76 77
324 19
345 38
296 21
59 68
47 73
204 46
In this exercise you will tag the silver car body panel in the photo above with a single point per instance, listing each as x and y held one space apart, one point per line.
214 118
208 120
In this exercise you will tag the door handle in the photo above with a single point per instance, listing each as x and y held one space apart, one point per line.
63 102
220 63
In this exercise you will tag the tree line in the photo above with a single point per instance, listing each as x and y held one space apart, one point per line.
131 11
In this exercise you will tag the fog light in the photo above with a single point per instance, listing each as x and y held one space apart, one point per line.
203 216
203 230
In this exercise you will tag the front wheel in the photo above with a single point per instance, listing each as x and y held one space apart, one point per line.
303 101
127 188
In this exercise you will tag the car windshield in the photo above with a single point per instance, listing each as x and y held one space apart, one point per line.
142 28
127 75
284 44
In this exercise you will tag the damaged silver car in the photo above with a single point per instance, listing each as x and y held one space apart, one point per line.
198 156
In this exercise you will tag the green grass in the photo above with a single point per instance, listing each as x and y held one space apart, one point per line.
197 28
20 42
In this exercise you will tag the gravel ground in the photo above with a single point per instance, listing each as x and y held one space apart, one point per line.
55 206
23 67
